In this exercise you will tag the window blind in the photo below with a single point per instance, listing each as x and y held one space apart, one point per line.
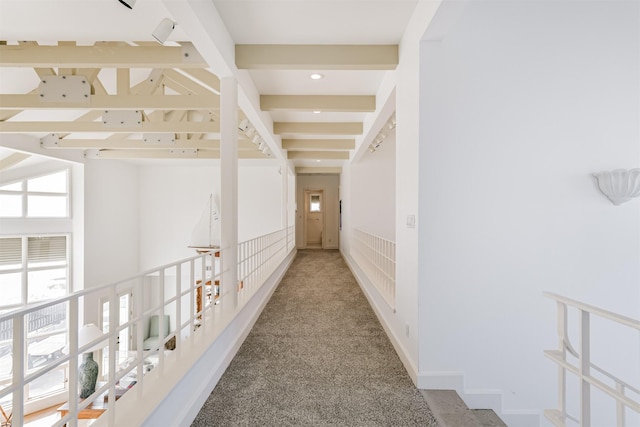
10 250
46 249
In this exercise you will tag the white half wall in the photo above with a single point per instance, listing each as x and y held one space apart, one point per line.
520 104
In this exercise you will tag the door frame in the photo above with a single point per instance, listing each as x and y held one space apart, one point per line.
305 193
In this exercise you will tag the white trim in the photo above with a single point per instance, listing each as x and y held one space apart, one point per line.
372 297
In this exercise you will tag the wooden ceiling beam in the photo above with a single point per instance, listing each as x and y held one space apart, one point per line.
207 78
145 127
114 102
324 103
12 160
318 155
315 170
167 154
101 56
316 57
318 128
137 144
185 85
318 144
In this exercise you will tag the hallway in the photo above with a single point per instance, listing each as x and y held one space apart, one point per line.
316 356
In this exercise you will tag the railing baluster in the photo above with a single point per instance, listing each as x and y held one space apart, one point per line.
376 258
114 323
620 409
258 259
19 346
585 364
583 369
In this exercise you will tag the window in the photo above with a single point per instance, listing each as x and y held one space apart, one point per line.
38 197
34 266
314 205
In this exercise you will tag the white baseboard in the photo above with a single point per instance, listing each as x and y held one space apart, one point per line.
377 302
473 398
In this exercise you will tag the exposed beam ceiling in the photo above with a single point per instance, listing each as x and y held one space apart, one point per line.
318 170
175 107
316 155
318 128
12 160
169 153
70 127
202 144
113 102
320 103
101 56
317 57
318 144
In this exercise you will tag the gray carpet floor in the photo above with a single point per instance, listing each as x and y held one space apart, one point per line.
317 356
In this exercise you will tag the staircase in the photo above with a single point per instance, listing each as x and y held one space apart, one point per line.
451 411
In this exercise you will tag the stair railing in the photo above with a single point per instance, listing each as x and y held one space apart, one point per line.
613 386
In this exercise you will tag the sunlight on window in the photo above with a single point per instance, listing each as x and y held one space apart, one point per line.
54 183
11 288
6 360
47 206
47 284
16 186
10 206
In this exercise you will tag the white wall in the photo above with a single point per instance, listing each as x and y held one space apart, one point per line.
172 199
330 184
111 239
520 103
373 192
260 206
345 197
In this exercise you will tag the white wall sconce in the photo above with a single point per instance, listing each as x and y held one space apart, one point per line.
619 185
163 30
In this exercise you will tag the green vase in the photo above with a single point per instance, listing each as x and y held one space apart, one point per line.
87 375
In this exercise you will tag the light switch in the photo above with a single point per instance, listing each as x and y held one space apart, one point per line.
411 221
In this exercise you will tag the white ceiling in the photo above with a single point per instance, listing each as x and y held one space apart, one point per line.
320 22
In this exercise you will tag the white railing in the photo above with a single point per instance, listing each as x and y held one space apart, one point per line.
584 369
187 291
376 257
258 258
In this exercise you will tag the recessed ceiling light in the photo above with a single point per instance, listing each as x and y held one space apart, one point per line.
316 76
318 161
317 112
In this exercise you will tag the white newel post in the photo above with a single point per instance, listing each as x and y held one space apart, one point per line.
229 192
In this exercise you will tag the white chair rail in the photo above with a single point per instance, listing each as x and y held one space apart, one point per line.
376 257
589 375
187 291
